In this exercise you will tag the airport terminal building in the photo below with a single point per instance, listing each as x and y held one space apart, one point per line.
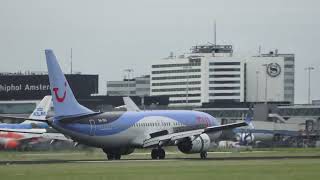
138 86
20 92
213 74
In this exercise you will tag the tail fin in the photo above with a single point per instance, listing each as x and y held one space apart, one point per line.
41 111
64 102
130 105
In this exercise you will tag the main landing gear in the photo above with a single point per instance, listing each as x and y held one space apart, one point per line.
112 155
203 155
158 153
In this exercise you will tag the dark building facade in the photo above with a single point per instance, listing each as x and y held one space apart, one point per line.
36 86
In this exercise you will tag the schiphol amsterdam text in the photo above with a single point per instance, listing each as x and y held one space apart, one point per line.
23 87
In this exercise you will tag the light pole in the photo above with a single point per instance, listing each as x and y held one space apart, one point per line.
309 69
257 86
266 86
188 67
128 71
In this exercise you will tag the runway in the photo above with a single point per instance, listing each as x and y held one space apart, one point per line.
52 161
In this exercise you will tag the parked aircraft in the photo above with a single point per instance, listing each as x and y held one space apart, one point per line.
21 138
17 136
39 113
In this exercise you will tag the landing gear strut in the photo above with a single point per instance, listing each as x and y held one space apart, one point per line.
203 155
112 155
158 153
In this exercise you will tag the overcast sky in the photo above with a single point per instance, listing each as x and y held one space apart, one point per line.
109 36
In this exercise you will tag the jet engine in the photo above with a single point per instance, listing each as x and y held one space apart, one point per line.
245 138
7 143
195 145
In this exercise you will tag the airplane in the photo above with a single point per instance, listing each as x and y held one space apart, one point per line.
40 113
13 136
119 133
264 136
251 135
21 138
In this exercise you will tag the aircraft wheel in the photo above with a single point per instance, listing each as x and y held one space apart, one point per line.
110 156
154 154
117 156
203 155
161 153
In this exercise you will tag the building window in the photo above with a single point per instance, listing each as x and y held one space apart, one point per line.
185 95
121 85
224 63
224 76
185 101
224 94
289 88
176 89
224 88
289 81
289 66
176 77
176 65
176 83
223 69
224 82
289 73
142 81
176 71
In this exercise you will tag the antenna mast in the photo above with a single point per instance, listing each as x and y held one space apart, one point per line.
215 33
71 61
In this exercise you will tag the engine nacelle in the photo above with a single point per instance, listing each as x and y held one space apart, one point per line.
245 138
7 143
195 145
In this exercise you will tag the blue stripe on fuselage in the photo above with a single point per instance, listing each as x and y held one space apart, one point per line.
128 119
24 126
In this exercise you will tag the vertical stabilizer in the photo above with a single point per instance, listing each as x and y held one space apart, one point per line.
64 102
41 111
130 105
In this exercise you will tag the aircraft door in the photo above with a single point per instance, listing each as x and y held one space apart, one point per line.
92 127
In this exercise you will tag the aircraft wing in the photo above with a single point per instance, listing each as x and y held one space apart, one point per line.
22 118
38 133
172 138
31 131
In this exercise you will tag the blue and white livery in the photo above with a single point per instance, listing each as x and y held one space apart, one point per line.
119 133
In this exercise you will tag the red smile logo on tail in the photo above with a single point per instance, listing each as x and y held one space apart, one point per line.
60 99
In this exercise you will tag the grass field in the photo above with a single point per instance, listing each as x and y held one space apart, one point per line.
145 154
285 169
170 169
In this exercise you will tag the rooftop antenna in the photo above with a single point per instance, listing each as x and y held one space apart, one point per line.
71 61
259 50
215 33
